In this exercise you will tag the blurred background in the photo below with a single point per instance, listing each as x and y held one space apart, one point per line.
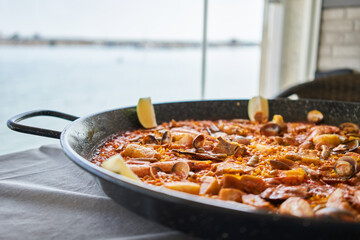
86 56
81 57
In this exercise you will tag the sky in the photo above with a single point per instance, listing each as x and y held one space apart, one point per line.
133 19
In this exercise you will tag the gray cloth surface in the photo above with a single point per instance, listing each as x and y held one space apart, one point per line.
44 195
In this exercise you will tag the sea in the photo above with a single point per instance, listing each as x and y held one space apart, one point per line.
81 80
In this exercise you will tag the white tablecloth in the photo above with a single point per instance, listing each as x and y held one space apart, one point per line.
44 195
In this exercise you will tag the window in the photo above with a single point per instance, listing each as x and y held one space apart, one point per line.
80 57
233 69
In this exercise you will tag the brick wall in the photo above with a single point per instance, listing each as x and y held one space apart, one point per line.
340 39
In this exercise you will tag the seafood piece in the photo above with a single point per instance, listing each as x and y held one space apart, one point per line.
150 139
315 116
212 129
286 141
142 159
199 165
232 129
279 165
321 190
156 172
242 140
231 167
140 170
278 119
346 167
203 156
209 131
231 194
120 148
309 157
338 200
292 156
335 213
229 148
291 179
307 145
253 161
331 140
187 187
354 198
347 146
220 134
355 155
133 161
166 166
247 183
325 152
181 169
296 206
264 149
179 130
270 129
135 139
209 185
136 151
199 142
322 129
256 201
284 192
355 180
349 127
183 139
166 138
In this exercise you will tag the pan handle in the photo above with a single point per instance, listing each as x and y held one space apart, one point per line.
13 123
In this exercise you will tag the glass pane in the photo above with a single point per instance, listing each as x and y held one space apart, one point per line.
234 36
82 57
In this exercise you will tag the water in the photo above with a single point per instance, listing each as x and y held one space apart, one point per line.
83 80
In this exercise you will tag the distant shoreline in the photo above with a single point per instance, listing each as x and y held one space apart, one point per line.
123 43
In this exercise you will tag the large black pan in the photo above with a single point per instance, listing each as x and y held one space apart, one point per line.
195 215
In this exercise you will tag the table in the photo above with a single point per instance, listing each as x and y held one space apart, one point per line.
44 195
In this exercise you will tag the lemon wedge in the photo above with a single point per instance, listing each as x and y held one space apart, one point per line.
258 109
116 164
145 112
